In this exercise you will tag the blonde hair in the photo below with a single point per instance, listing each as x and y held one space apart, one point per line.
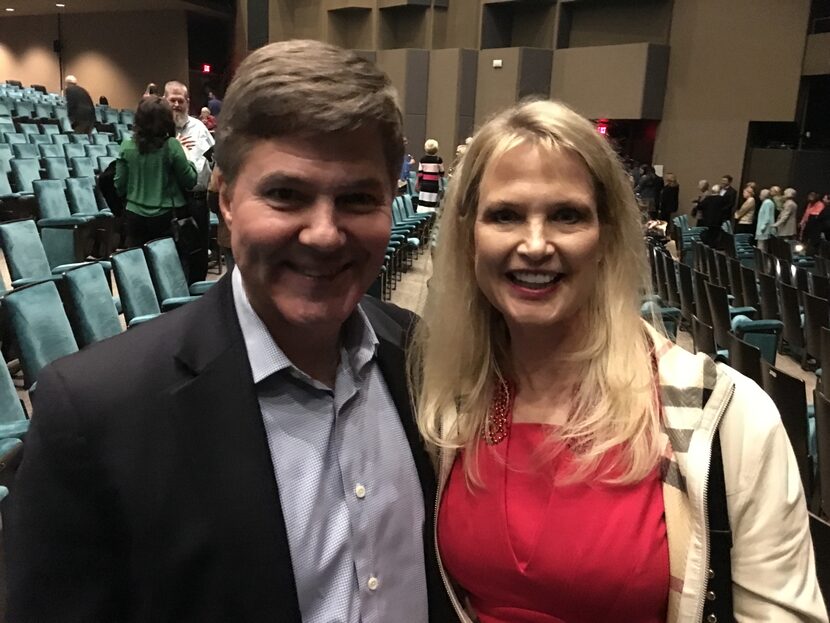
461 349
431 146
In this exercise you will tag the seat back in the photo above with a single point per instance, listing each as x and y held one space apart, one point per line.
749 287
770 309
56 168
166 269
822 405
789 395
51 128
73 150
736 288
660 274
816 317
93 151
51 197
29 128
83 167
80 139
135 285
60 139
719 313
791 316
820 533
39 323
687 293
81 191
104 162
26 171
670 274
11 409
49 150
23 250
102 138
820 286
745 358
92 312
113 150
701 298
38 139
703 337
25 150
15 138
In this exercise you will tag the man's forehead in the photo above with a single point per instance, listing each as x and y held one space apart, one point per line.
175 91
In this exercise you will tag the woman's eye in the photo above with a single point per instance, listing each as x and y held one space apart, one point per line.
502 216
567 215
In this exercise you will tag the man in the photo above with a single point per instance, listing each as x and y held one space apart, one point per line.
214 104
730 196
196 140
710 214
79 106
251 456
648 188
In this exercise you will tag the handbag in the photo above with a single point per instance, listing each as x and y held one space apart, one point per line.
717 604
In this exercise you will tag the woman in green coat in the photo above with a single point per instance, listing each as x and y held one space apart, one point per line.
152 173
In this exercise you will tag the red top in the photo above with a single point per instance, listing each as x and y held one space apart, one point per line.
528 552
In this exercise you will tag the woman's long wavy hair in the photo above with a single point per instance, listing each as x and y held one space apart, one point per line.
461 349
153 124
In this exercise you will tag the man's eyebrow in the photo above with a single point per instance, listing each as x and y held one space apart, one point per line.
370 184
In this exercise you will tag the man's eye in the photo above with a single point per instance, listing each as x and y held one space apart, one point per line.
358 200
282 194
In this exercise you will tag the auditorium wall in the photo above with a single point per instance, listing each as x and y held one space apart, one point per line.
722 74
112 54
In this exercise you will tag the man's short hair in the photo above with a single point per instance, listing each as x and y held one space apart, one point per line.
307 88
178 85
727 177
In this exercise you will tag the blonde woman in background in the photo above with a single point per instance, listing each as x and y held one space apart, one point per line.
745 215
573 441
785 225
430 172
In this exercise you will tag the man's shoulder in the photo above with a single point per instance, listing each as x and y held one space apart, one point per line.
389 321
195 125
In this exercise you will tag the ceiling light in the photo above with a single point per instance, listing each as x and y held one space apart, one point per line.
10 9
60 5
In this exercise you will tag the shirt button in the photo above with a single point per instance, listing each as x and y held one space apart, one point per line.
360 491
372 584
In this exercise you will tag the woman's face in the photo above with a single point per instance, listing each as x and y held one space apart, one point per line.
537 237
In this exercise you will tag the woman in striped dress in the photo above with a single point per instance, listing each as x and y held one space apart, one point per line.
430 172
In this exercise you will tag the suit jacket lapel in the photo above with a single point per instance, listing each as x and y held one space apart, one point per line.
220 428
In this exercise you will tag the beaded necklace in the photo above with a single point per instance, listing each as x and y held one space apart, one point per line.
497 425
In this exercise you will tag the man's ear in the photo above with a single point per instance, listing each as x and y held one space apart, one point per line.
225 190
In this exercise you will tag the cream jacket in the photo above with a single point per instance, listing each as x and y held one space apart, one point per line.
773 566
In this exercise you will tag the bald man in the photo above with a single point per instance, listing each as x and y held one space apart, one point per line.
79 106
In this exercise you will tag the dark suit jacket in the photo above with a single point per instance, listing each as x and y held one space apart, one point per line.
79 108
730 199
147 491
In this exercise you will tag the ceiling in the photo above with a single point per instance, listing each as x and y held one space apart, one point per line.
219 8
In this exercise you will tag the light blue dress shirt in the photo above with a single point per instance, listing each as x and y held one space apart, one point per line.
349 490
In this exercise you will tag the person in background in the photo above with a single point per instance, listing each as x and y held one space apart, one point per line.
702 191
79 106
669 197
785 225
574 441
765 225
430 172
208 119
777 198
745 215
815 206
730 195
406 167
214 104
152 173
197 142
648 189
709 212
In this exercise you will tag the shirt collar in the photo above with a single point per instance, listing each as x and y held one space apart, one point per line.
358 346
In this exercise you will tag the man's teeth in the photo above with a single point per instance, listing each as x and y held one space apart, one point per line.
535 278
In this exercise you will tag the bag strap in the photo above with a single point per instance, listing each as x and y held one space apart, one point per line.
717 605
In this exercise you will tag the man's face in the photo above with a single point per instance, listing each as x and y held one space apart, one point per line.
179 101
724 182
310 219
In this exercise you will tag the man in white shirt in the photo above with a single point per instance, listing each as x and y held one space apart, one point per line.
196 141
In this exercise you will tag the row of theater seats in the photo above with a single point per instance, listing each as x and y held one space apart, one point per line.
748 312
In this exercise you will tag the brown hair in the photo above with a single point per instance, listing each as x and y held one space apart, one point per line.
153 124
306 87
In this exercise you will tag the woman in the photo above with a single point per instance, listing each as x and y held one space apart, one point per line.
745 215
430 172
815 206
573 440
152 173
208 119
766 219
784 226
669 197
702 191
